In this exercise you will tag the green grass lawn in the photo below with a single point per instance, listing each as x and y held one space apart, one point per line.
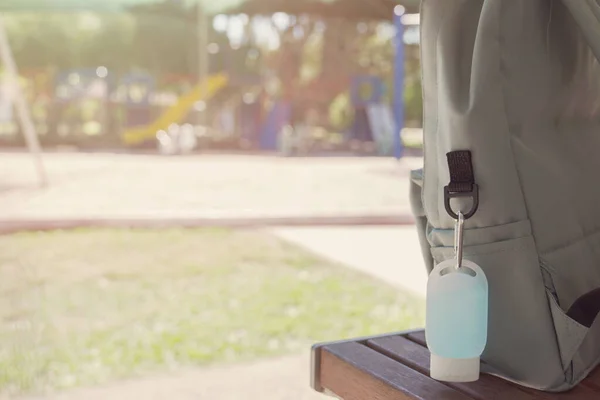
87 306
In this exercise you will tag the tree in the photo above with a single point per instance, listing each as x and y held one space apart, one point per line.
110 45
41 42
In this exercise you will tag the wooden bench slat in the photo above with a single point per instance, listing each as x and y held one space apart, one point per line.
577 393
396 367
417 357
354 371
418 337
585 391
344 381
315 374
593 380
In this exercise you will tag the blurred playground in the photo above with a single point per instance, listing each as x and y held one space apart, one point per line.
171 76
174 237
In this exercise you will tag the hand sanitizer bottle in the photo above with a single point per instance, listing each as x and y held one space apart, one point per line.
456 320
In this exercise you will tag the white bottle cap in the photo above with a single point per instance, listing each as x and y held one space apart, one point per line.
454 369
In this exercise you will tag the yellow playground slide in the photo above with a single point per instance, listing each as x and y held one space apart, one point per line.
178 111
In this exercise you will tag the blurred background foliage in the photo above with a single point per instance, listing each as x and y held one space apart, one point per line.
306 57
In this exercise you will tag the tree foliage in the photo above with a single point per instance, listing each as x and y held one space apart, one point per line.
158 38
162 39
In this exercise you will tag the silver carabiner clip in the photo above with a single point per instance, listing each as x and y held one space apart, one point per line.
459 228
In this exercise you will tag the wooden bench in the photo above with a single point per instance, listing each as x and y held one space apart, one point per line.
396 366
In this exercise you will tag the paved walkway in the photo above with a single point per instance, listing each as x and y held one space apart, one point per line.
391 254
140 186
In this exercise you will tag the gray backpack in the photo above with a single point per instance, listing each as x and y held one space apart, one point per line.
512 136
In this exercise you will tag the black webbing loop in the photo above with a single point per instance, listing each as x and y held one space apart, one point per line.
462 182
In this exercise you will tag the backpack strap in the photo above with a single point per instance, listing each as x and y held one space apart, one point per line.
462 182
